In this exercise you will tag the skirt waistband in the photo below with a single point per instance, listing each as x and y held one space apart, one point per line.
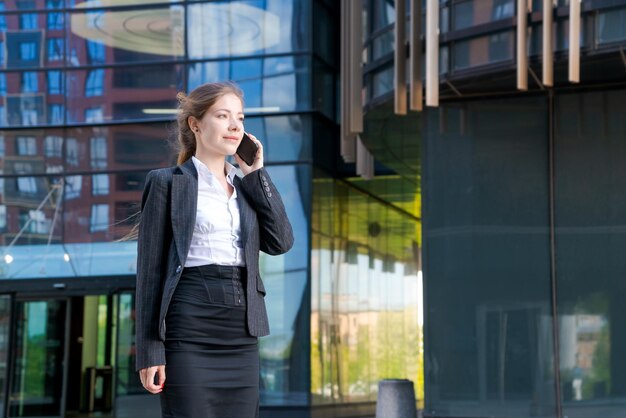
218 271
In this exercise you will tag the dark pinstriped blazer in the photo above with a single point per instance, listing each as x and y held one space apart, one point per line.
168 215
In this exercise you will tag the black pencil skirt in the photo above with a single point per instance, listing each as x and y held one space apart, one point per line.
212 368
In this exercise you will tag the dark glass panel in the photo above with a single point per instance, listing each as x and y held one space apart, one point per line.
250 27
486 260
326 32
5 328
478 12
590 203
121 147
284 138
130 94
37 373
611 26
285 353
273 84
484 50
384 14
127 35
34 151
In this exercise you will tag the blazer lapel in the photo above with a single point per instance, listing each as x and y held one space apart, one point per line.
184 205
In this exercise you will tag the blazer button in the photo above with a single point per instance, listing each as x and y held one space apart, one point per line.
178 269
269 194
265 183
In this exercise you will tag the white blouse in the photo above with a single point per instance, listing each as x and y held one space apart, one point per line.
217 232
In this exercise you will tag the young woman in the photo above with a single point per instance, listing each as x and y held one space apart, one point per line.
199 299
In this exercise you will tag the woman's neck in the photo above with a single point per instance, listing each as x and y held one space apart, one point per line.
215 164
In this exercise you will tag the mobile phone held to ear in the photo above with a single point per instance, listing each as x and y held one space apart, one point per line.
247 149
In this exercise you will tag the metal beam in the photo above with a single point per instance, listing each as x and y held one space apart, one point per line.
522 54
399 62
548 53
574 41
415 54
432 53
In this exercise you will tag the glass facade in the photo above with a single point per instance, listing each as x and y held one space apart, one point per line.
87 99
365 293
492 272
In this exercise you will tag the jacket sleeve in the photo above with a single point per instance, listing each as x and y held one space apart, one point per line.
153 230
276 234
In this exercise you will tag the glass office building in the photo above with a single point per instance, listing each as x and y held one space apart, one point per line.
523 200
87 99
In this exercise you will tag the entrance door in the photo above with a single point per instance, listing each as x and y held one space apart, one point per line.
37 375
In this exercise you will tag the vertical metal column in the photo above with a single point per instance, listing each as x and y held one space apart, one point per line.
522 54
574 41
432 53
548 53
415 55
348 147
356 67
399 61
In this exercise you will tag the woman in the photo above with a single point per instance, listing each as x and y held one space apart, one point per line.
200 300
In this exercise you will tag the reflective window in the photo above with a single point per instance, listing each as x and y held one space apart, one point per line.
30 82
56 114
590 203
28 51
98 151
384 14
73 187
261 28
285 353
95 53
611 26
28 21
130 94
364 294
53 146
3 83
26 145
274 84
94 115
3 20
99 218
95 83
127 35
56 49
100 184
284 138
484 50
486 259
56 20
477 12
71 152
55 82
382 82
23 49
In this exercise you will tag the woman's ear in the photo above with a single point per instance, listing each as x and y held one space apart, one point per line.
193 123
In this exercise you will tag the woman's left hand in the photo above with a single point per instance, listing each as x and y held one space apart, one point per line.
258 160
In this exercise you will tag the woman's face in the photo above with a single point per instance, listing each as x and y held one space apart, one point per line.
220 130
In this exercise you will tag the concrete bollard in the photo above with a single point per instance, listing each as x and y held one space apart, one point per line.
396 399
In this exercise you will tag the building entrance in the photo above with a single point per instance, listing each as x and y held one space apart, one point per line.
61 355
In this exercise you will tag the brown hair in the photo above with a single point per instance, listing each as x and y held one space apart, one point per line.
196 104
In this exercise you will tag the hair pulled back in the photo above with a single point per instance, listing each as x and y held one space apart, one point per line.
196 104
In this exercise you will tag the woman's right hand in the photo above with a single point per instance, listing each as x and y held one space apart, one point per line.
147 378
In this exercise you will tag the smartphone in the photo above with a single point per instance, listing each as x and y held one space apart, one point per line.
247 149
